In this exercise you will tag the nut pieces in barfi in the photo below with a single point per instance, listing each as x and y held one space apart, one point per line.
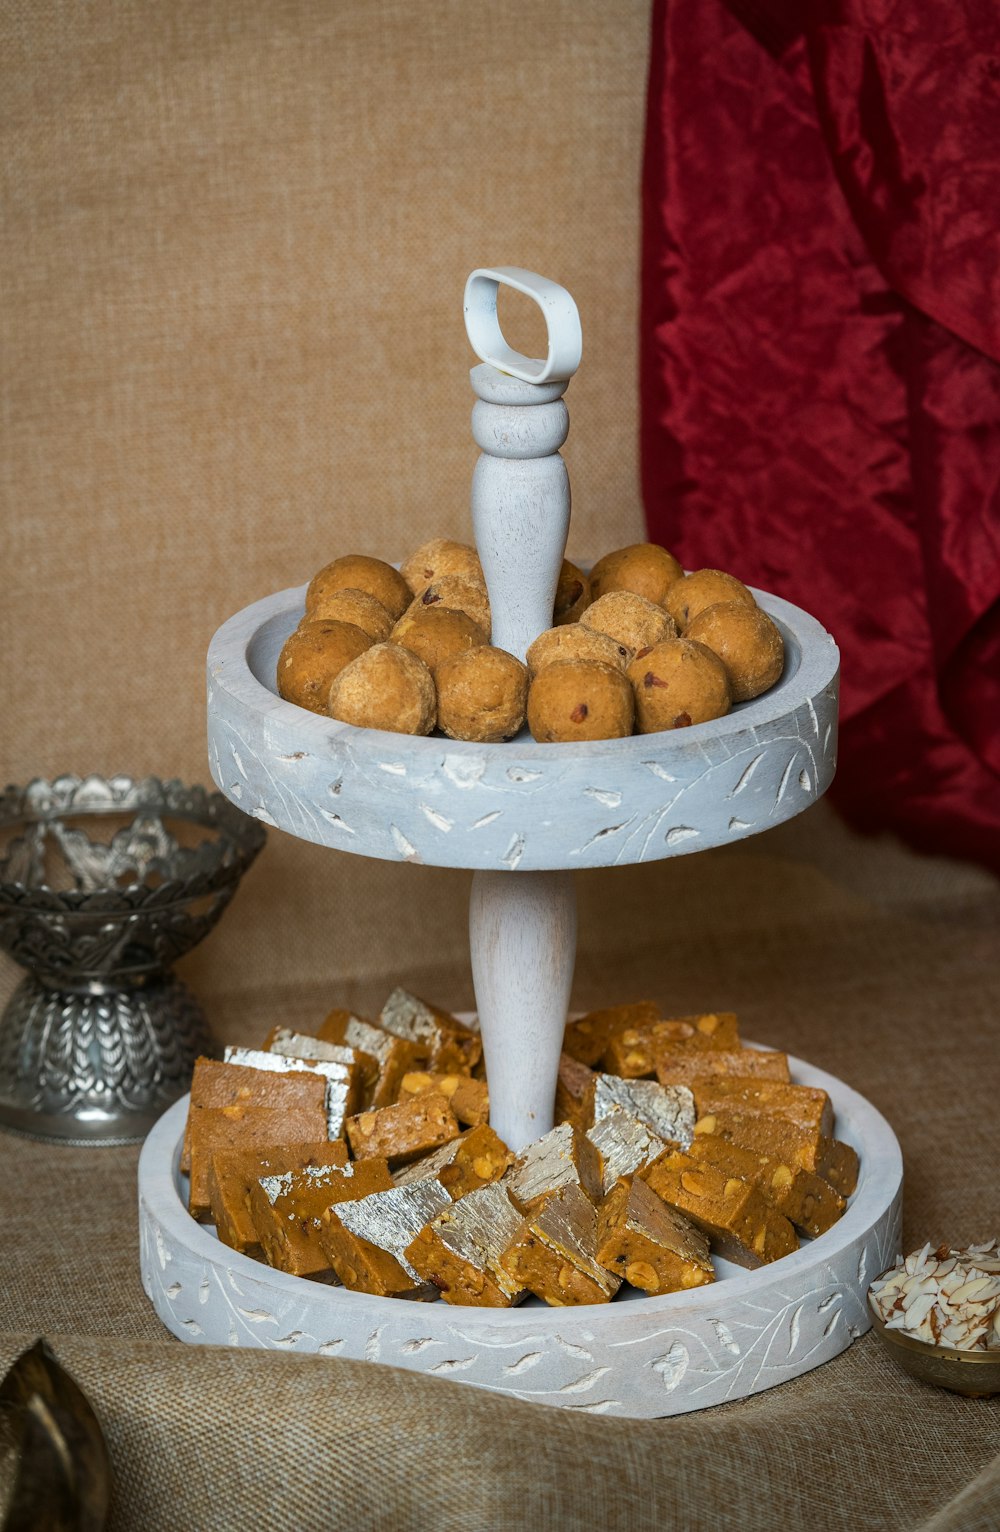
362 1155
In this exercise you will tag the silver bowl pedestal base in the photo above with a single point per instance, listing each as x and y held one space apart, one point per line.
97 1066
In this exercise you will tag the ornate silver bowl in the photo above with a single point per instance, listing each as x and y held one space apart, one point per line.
104 884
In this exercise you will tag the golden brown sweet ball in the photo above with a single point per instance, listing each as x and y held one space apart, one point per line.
461 595
385 688
575 643
312 658
678 683
573 595
747 642
353 606
580 700
481 694
435 633
645 568
629 619
701 588
355 571
440 557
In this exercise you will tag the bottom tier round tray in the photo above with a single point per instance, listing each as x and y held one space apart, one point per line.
638 1356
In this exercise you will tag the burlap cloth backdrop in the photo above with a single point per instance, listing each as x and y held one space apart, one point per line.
233 244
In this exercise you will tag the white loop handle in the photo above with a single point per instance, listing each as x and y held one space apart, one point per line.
562 324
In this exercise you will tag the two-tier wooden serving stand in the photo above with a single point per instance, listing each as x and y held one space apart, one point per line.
524 817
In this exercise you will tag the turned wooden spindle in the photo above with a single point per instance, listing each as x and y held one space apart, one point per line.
520 501
520 487
522 926
522 936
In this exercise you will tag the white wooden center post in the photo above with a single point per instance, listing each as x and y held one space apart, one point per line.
522 935
522 926
368 791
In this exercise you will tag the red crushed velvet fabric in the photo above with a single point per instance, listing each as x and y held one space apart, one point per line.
821 363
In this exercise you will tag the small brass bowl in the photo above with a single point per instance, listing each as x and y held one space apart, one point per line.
973 1373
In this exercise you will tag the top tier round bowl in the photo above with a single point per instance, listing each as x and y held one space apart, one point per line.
519 805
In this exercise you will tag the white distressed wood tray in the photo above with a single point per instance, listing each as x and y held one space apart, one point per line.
524 816
638 1356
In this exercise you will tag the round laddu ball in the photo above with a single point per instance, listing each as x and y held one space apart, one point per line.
440 557
576 700
461 595
701 588
353 606
575 643
747 642
572 595
678 683
313 656
355 571
385 688
645 568
435 633
481 694
629 619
